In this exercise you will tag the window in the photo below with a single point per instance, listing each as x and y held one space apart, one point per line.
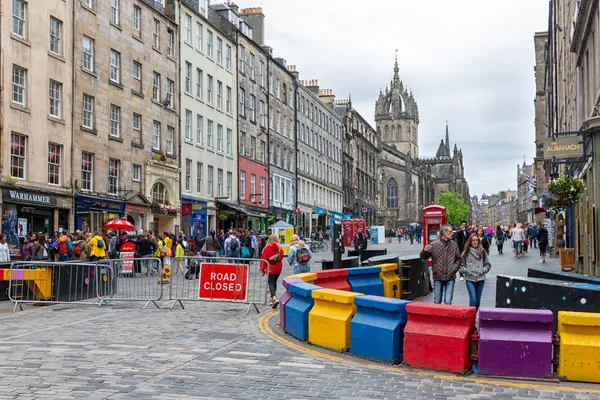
219 137
209 133
199 93
278 122
55 35
263 150
170 92
229 144
137 172
271 82
262 113
242 101
242 185
252 187
209 43
170 42
115 121
114 11
209 89
252 147
242 144
156 86
137 19
88 53
278 89
252 111
156 135
188 125
252 61
188 174
291 129
199 167
188 28
242 66
228 58
262 190
87 111
228 100
219 95
291 98
87 172
261 73
219 51
89 3
271 125
113 176
18 156
188 77
115 66
170 140
392 194
210 180
198 36
159 193
18 13
137 76
137 126
55 99
156 35
199 129
19 81
229 184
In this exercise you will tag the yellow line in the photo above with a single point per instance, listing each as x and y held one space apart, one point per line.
263 325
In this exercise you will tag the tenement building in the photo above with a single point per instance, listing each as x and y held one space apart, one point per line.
126 114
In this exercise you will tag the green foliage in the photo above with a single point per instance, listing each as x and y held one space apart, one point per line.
456 208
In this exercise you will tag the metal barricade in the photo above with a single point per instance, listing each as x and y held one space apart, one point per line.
135 279
218 278
43 282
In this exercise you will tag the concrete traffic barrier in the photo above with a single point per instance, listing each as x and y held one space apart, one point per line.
414 277
333 279
515 343
579 338
285 298
391 281
297 309
308 277
366 280
377 329
562 276
329 319
437 336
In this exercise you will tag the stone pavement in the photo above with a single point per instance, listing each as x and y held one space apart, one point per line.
213 350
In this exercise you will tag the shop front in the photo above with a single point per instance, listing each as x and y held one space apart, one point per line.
194 218
137 214
91 213
164 220
26 211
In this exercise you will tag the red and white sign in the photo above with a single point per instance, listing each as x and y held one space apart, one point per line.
223 282
127 253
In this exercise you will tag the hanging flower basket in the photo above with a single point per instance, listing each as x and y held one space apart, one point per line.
222 217
562 192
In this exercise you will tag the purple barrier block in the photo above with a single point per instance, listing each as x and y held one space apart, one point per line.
285 297
515 342
17 274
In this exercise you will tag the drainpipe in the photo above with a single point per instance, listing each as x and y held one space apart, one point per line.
177 79
73 81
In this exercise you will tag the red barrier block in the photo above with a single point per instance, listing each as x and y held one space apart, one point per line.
437 336
333 279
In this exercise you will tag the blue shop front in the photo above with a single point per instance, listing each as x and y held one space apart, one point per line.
91 213
194 217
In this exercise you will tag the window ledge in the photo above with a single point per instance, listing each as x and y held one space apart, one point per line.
158 103
116 139
57 56
138 94
137 37
171 57
57 120
199 145
88 130
116 26
173 156
171 110
136 144
156 50
91 73
88 9
20 40
188 94
20 108
115 84
156 151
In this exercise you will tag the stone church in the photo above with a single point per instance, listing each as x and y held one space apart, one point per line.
409 183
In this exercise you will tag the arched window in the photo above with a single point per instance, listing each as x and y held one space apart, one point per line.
392 194
159 193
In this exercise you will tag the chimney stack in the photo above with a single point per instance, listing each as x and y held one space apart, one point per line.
313 86
327 96
293 69
256 19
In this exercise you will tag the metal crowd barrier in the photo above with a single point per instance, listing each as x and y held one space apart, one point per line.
219 278
134 279
43 282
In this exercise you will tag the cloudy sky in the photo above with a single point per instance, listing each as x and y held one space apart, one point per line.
468 62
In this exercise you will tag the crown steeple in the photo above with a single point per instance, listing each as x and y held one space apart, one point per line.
396 81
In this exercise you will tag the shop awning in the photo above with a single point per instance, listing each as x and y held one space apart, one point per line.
241 210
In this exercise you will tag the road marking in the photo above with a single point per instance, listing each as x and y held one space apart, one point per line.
263 325
300 365
245 353
127 346
235 360
54 327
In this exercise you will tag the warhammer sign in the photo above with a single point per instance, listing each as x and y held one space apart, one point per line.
564 147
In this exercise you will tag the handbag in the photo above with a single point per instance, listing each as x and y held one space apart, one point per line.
246 252
275 258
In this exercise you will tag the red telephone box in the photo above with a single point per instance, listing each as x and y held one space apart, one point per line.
433 219
349 229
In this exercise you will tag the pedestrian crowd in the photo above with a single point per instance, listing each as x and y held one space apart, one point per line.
410 233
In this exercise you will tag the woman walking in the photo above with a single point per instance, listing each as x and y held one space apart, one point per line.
542 239
517 237
483 240
211 245
273 255
475 266
500 238
299 255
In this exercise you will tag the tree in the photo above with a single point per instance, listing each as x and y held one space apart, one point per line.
456 208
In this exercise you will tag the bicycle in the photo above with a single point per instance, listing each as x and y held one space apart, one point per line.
318 245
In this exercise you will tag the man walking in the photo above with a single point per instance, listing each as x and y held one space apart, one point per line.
446 261
462 235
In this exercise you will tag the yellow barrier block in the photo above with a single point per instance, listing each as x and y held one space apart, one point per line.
329 319
391 281
308 277
39 281
579 356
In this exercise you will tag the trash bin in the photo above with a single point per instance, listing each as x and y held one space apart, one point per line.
567 259
387 259
415 277
348 262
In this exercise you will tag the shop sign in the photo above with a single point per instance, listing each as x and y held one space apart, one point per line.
136 209
88 203
169 212
564 147
223 282
25 196
186 209
319 211
198 206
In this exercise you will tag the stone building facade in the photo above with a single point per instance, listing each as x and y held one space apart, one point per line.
525 194
36 107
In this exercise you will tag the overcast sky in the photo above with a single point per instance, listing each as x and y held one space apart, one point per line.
468 62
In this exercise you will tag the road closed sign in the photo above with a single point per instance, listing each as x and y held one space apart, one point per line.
223 282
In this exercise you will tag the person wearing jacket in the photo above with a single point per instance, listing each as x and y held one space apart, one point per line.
475 266
27 249
96 253
518 236
145 248
272 266
483 240
446 261
79 248
65 247
41 250
4 251
500 238
180 256
295 244
542 239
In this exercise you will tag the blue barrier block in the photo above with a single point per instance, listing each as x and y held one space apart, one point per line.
297 309
365 280
377 329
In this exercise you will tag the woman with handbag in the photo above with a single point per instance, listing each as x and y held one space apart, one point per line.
273 255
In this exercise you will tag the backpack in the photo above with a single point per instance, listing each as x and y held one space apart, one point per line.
77 251
234 244
302 255
100 243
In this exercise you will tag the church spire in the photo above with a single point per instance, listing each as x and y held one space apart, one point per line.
396 71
